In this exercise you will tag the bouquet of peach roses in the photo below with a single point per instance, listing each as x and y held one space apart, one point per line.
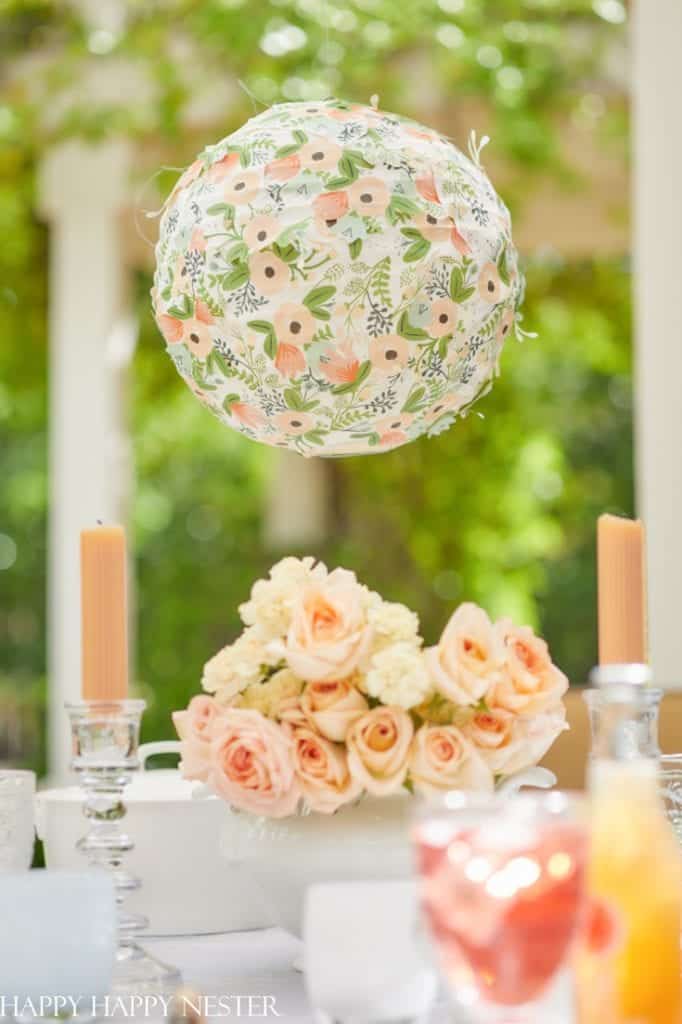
329 693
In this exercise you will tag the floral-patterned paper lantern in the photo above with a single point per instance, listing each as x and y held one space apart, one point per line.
335 279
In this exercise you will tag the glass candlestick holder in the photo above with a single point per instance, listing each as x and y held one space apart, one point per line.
105 740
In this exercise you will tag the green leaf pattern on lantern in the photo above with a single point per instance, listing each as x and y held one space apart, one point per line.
313 256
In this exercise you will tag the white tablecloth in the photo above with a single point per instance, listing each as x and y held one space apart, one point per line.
258 963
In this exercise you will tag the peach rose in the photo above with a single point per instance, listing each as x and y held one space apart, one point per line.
442 758
291 712
332 707
322 771
468 658
378 746
196 727
509 743
328 636
251 764
531 682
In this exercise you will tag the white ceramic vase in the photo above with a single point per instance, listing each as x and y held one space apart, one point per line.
367 841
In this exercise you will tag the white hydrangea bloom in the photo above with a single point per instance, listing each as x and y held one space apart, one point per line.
270 606
267 697
399 675
236 666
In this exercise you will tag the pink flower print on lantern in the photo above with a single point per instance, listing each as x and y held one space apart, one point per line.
198 240
489 284
268 272
389 353
459 241
433 228
320 154
369 196
444 313
222 168
391 430
185 180
242 188
294 324
247 414
171 328
340 365
289 360
505 326
261 231
426 187
284 169
294 422
196 334
329 208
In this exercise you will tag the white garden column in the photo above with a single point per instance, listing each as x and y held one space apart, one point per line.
297 502
656 41
82 191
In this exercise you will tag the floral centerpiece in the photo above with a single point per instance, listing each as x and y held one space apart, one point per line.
329 693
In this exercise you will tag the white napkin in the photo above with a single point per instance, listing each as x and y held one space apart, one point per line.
363 958
58 938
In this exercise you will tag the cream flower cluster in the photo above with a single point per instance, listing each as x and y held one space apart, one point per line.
329 693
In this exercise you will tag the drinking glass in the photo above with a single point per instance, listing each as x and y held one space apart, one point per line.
17 836
502 889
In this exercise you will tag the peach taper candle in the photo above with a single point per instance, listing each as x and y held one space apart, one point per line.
622 591
104 625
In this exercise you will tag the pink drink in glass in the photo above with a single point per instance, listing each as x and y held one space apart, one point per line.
503 898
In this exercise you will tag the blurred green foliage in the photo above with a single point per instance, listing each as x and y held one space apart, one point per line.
500 510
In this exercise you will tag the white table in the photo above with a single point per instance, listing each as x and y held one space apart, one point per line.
257 964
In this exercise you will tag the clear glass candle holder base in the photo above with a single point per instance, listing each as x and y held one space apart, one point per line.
137 972
105 739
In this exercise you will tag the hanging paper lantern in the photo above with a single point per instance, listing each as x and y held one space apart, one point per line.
335 279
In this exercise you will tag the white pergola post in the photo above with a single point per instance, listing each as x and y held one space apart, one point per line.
297 502
656 40
82 190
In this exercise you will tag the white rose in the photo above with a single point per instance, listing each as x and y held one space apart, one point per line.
268 697
236 667
399 675
270 606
